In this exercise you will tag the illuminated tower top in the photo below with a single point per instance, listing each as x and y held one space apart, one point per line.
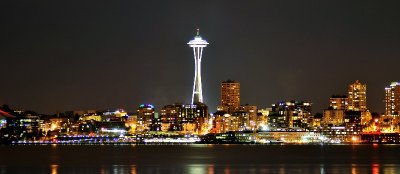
198 41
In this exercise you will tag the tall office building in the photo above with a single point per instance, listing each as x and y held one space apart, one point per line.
230 95
145 116
334 115
357 93
189 117
340 102
290 114
197 44
392 99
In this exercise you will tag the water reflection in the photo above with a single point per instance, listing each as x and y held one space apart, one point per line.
227 170
208 159
133 169
353 169
375 169
54 169
391 169
218 168
196 168
3 169
210 169
281 169
321 169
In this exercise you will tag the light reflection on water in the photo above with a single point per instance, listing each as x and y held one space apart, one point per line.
208 159
54 169
225 169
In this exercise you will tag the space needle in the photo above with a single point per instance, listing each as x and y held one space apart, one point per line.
197 44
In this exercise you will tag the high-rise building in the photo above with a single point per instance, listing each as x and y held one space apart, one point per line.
252 116
357 93
392 99
291 114
197 44
189 117
230 95
353 121
334 115
340 102
262 118
145 116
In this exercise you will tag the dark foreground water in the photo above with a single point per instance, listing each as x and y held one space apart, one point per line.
197 159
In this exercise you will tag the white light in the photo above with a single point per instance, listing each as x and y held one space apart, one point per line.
264 127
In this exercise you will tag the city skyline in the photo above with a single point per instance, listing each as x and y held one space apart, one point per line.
209 86
66 57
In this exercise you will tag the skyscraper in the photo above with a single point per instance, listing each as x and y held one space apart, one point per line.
334 115
392 99
230 95
357 96
145 116
289 114
197 44
338 102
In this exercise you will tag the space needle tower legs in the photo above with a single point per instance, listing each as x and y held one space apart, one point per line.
197 44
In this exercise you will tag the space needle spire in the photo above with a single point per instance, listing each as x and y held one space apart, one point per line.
197 44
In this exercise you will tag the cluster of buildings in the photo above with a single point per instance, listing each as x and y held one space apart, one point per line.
346 119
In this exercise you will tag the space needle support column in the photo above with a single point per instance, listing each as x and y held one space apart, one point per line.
198 44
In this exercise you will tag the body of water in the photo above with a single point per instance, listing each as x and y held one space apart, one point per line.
197 159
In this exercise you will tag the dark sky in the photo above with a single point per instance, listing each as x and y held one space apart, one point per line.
78 55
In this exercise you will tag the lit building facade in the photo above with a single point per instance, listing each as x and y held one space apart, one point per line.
27 126
171 117
230 95
291 114
131 123
352 121
392 99
197 44
339 102
220 121
251 111
262 118
145 116
357 93
334 115
187 118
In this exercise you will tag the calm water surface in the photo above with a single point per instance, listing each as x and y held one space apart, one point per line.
210 159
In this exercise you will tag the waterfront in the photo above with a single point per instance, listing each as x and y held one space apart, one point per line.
197 158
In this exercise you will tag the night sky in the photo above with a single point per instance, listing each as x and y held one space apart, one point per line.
79 55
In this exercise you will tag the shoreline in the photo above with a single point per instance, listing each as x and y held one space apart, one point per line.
179 144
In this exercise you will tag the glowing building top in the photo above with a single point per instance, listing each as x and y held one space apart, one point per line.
198 41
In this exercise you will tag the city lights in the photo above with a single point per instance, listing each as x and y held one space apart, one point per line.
347 119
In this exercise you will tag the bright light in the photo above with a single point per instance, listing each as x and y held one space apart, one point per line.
113 130
264 127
